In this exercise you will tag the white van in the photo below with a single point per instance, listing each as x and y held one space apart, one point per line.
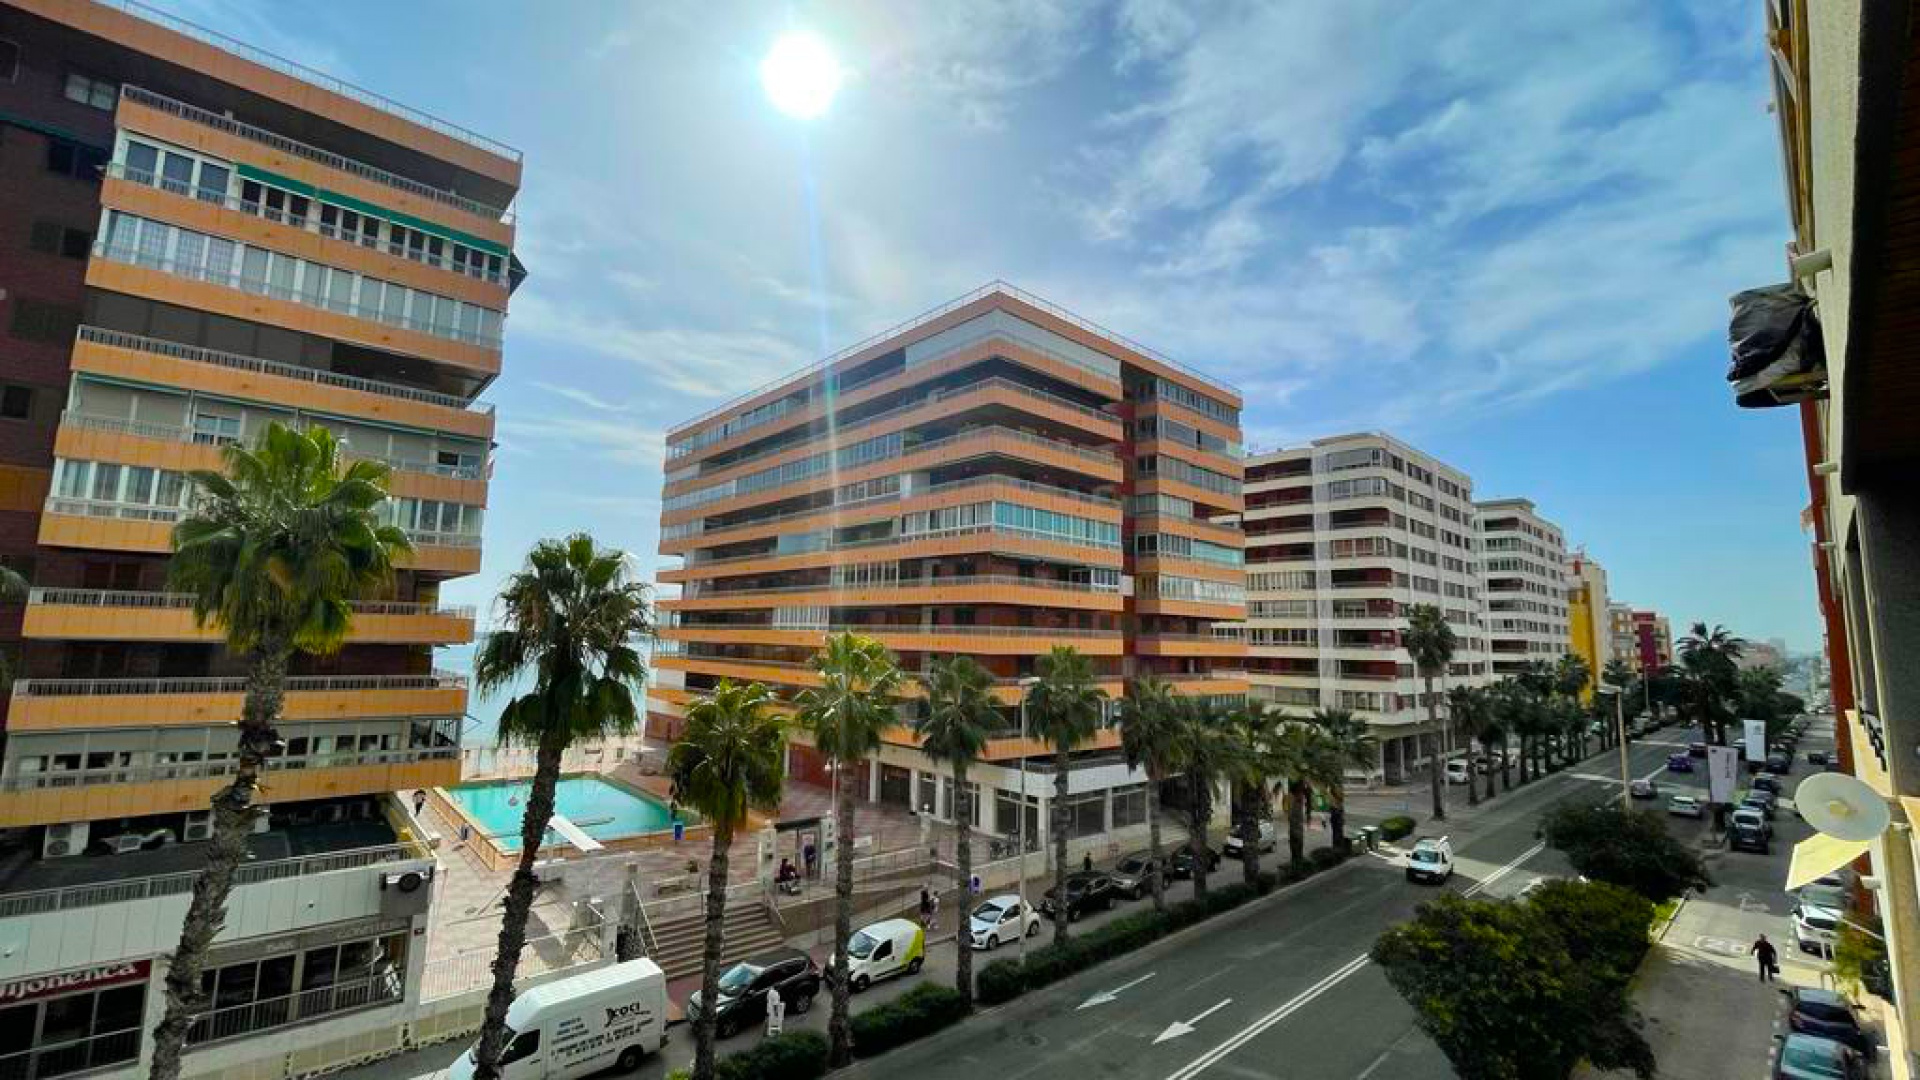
612 1017
890 947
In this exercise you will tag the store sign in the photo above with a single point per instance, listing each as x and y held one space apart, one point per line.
35 987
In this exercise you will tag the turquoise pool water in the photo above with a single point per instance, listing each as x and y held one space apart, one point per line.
605 811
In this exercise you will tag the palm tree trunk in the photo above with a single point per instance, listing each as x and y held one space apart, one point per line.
714 941
840 1024
963 866
1337 814
232 823
1058 817
1249 825
1433 757
1296 821
1506 765
1199 812
519 904
1153 844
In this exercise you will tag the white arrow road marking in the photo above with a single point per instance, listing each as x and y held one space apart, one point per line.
1105 996
1177 1029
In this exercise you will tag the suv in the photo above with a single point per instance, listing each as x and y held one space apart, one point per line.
1430 860
1744 836
1815 929
742 1000
1086 891
1826 1014
1180 866
1768 783
1134 874
1268 838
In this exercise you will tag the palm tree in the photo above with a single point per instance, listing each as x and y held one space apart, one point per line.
1296 764
1065 707
1430 642
1351 744
1201 747
730 759
274 552
1619 674
1467 711
1507 716
1708 657
1249 767
953 728
573 618
1149 725
847 713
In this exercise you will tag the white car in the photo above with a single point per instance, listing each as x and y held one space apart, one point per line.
1685 806
1001 919
1815 929
1268 839
1459 770
1430 860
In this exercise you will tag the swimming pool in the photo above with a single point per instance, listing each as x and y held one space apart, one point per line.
605 810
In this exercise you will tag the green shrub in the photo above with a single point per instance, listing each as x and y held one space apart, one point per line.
1000 981
1326 858
796 1055
915 1014
1396 827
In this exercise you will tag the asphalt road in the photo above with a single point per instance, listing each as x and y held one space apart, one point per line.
1279 989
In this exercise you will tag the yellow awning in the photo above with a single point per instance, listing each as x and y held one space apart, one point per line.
1820 855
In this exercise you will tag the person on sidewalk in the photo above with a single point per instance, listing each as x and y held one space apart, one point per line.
1086 862
1763 951
926 905
776 1012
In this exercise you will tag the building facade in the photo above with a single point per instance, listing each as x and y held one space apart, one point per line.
1652 640
995 478
1343 536
1588 616
1524 566
199 239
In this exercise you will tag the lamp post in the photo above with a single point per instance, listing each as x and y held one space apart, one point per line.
1026 684
1620 739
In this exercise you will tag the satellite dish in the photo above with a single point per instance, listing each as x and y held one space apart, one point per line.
1842 807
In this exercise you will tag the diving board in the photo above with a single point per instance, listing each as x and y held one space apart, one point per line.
573 834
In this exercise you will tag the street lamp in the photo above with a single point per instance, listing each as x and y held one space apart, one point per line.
1620 739
1026 684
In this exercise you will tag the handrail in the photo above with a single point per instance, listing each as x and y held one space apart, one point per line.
837 509
883 629
314 154
1009 581
906 538
14 905
231 684
103 508
121 340
173 600
177 433
925 317
200 770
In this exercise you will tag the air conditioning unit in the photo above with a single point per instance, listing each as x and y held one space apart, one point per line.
406 881
64 840
405 892
261 821
199 827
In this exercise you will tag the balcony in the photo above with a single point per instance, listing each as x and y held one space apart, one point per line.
48 704
997 640
102 615
957 541
118 526
173 434
1207 645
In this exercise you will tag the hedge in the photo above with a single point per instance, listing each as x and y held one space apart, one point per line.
915 1014
795 1055
1396 827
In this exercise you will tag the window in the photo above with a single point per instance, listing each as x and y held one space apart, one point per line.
16 402
9 60
98 93
43 322
78 160
52 238
523 1045
73 1033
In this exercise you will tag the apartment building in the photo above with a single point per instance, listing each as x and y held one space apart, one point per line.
199 238
994 478
1643 638
1624 643
1525 570
1588 624
1344 535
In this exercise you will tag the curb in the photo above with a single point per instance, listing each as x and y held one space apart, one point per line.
1660 934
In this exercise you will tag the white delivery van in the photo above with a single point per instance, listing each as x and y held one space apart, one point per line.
572 1027
886 948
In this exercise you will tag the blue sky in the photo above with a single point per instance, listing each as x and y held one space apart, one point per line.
1504 232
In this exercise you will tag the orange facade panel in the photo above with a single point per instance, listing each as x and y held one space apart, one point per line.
117 534
155 369
89 622
1149 645
24 490
1010 749
1189 568
221 300
966 543
53 712
1160 605
1001 641
994 591
1227 502
48 806
1192 528
1193 455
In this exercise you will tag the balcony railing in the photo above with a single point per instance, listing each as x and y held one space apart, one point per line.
138 343
312 153
129 890
1004 581
884 541
378 988
1101 501
74 1056
232 684
119 511
175 433
884 629
212 770
116 598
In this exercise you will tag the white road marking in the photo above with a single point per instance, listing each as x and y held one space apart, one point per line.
1178 1028
1105 996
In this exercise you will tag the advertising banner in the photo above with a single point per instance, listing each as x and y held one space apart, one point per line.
1757 741
1723 772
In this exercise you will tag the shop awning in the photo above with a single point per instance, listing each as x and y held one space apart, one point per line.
1820 855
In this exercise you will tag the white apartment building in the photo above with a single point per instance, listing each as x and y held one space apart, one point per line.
1344 535
1524 567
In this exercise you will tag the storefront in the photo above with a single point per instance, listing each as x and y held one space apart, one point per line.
73 1021
297 978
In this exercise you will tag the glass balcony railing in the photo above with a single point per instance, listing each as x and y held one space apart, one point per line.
173 433
233 684
120 511
173 601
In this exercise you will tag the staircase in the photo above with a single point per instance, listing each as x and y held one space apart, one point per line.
679 939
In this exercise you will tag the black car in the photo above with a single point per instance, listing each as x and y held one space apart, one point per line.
1762 801
1779 764
1698 749
1809 1057
1086 892
1767 782
1826 1014
743 989
1746 838
1180 866
1817 757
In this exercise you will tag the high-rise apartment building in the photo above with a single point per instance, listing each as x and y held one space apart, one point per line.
1587 616
198 239
1343 536
1620 633
1641 638
994 478
1525 568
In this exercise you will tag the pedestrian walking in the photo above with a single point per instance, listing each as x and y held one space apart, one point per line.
1763 951
811 856
926 905
776 1012
933 911
1086 862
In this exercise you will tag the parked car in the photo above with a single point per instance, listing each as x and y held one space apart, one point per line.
1809 1057
1834 897
742 999
1459 770
1767 782
1685 806
1748 817
1643 789
1430 860
1180 866
1762 800
1779 764
1826 1014
1086 891
1268 838
1133 874
1679 763
884 949
1747 837
1815 929
999 919
1698 749
1817 757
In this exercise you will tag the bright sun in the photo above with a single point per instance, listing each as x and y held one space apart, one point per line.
800 75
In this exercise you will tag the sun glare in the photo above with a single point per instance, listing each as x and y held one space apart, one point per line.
800 75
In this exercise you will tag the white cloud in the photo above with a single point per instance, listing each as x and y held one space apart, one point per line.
700 363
